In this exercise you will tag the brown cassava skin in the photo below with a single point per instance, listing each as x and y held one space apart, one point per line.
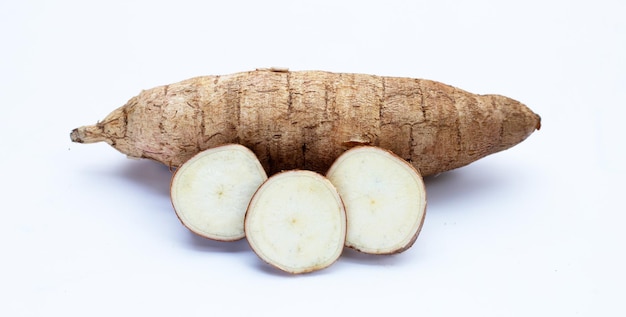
306 119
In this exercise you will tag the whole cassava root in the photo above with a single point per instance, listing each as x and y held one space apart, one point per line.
307 119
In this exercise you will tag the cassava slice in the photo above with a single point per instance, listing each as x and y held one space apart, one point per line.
296 222
211 191
384 198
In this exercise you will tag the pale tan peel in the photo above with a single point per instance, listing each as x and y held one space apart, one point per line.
307 119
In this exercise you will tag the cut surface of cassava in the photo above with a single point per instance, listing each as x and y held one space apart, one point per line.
296 222
211 191
384 198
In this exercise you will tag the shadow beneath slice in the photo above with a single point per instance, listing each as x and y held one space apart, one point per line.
199 243
152 176
353 256
460 187
271 270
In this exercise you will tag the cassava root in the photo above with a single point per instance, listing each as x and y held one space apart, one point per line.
307 119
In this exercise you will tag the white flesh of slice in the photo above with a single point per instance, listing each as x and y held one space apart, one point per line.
296 222
384 197
211 191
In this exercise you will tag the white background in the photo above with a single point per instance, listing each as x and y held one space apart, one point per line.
536 230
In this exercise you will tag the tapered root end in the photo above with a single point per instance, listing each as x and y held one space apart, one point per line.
538 125
75 135
113 127
532 120
88 134
518 122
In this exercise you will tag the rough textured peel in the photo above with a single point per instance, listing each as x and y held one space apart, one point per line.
307 119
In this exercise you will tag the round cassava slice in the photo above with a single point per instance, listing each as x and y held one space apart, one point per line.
384 198
211 191
296 222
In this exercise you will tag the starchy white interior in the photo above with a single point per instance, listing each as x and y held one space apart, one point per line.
296 222
211 191
384 197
